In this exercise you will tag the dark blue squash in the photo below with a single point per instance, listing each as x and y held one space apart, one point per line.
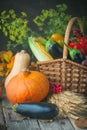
41 110
56 51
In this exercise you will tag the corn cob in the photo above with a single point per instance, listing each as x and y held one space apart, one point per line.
39 50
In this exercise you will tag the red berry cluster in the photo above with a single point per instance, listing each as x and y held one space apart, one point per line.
56 88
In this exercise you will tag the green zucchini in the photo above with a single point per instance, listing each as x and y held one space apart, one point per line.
40 110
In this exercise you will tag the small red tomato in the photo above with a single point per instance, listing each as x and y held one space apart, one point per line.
72 44
0 92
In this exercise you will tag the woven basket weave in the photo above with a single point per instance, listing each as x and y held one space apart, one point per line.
69 74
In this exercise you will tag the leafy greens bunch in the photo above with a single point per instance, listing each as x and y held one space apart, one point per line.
53 20
14 27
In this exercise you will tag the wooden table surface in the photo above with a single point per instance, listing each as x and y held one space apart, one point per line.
9 120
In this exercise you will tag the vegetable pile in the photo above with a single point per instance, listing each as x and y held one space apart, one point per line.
31 86
25 88
52 48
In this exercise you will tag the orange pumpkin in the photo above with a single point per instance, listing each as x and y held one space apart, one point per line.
26 87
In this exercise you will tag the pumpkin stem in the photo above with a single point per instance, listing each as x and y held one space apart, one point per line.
14 107
24 72
23 51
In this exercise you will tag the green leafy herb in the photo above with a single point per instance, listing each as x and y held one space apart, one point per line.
14 27
53 20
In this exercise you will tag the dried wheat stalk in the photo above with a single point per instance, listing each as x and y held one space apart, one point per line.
70 104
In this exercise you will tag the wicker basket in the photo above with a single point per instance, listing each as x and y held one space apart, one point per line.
69 74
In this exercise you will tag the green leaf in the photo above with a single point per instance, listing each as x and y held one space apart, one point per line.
53 20
24 14
13 26
12 37
3 12
11 11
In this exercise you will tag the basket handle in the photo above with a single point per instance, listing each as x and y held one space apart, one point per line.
67 34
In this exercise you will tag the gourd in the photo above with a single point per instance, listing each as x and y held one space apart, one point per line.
32 86
41 110
22 60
